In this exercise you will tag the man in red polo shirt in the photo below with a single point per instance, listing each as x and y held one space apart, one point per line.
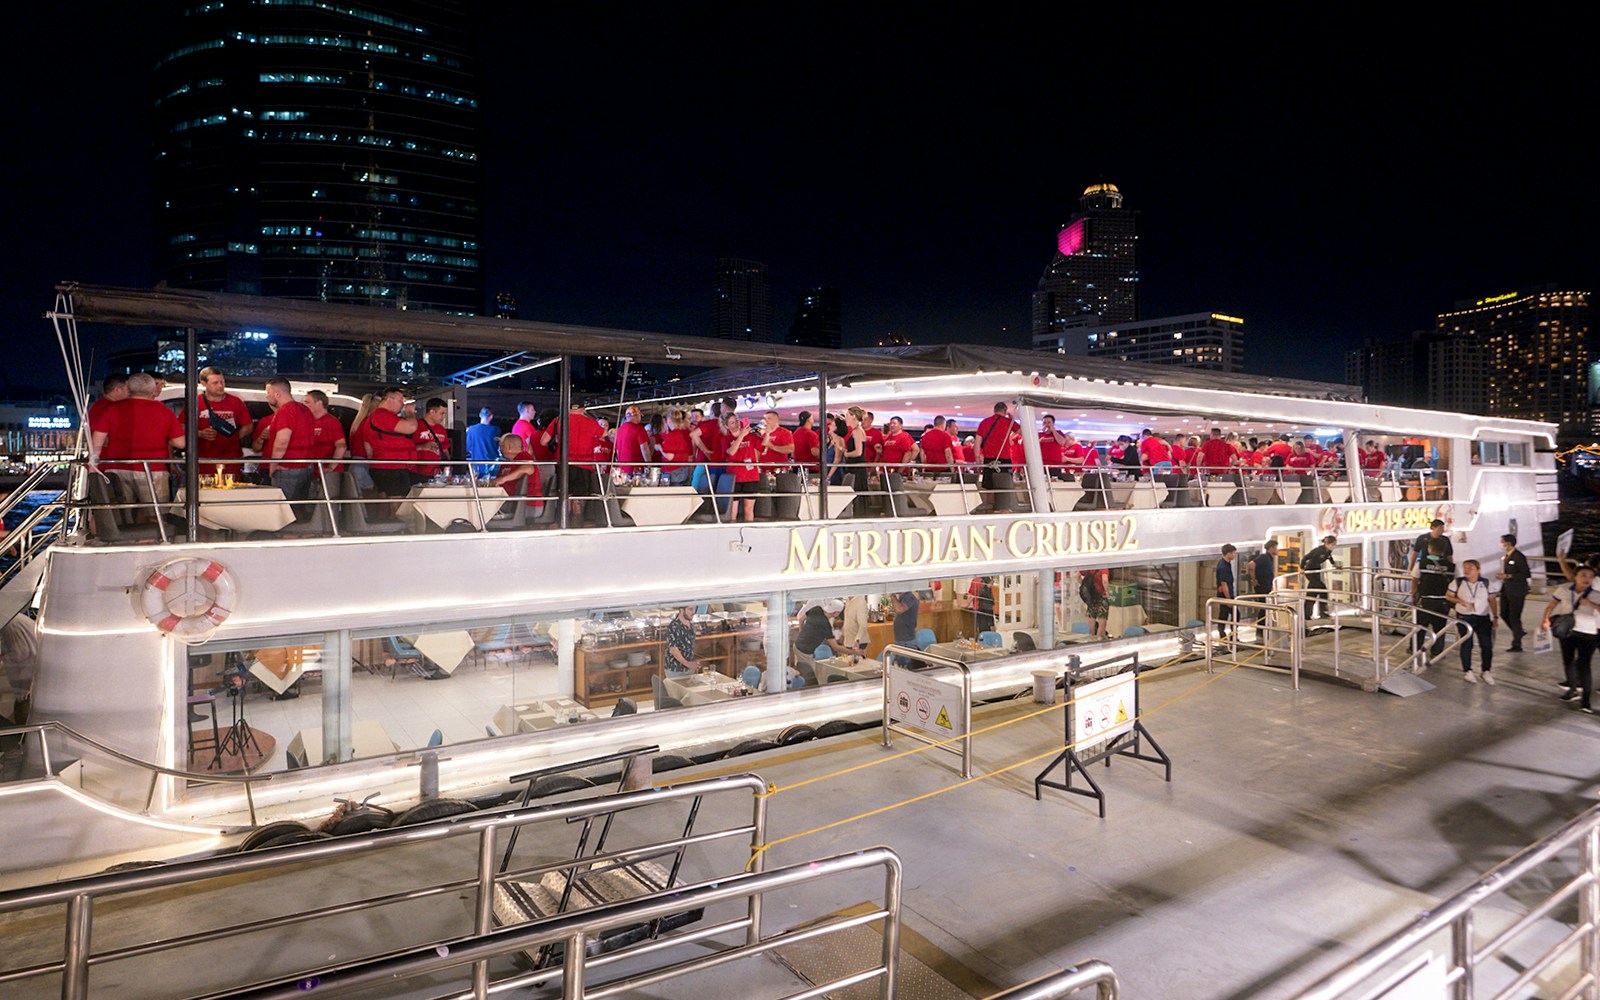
1052 448
1216 454
432 438
994 445
113 390
224 422
1153 450
633 442
138 430
293 435
899 448
807 443
776 443
872 450
328 442
524 427
392 436
583 435
937 448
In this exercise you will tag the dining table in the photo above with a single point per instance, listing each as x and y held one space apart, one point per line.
848 668
966 651
702 688
658 505
840 499
243 509
953 499
441 505
540 715
446 648
367 739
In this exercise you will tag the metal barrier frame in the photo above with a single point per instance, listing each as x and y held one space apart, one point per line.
934 662
1126 744
1455 916
79 896
1059 985
1265 604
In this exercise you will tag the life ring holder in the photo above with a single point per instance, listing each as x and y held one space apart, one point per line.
188 599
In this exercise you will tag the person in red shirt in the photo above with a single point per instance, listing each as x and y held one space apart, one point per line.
633 443
1180 453
134 431
1216 455
518 476
994 440
1154 450
525 428
807 444
224 422
328 442
777 443
1299 459
969 450
1373 460
1074 456
431 439
676 449
937 448
743 461
872 451
1278 451
1052 448
899 448
583 435
113 390
360 445
709 476
293 436
391 437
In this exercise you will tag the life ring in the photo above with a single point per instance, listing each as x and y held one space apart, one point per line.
188 599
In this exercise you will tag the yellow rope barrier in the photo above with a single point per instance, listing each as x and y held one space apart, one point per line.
757 852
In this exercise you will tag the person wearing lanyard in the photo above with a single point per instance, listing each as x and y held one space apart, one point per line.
1476 607
1577 648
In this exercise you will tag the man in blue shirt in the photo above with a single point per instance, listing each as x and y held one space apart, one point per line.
483 443
906 608
1225 587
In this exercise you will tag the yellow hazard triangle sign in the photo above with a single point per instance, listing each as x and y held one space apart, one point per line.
944 717
1122 712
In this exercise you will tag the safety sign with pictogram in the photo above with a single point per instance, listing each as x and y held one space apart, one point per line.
924 703
1102 710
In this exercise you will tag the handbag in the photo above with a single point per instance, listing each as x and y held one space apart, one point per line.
1561 625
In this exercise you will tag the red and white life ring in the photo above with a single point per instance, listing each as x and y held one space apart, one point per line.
188 598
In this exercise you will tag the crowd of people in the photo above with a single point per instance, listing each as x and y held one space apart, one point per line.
715 449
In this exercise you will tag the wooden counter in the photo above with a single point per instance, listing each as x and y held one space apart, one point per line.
595 684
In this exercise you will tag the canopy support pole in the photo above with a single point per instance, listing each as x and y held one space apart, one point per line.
191 435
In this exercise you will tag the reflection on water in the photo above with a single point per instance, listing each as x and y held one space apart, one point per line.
20 513
1583 517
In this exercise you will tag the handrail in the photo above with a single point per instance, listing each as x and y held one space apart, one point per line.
1455 915
574 930
157 770
20 492
1265 604
80 895
1059 985
30 542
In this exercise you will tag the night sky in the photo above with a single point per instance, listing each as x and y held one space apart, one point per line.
1325 184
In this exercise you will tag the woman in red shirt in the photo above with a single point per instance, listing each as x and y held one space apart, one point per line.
743 463
676 450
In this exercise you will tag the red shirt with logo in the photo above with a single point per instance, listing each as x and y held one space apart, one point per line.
742 456
232 409
776 459
896 447
431 441
326 434
1051 451
139 428
387 443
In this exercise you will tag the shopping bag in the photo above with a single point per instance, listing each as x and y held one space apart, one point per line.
1543 642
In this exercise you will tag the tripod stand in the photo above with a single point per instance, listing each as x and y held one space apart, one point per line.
239 735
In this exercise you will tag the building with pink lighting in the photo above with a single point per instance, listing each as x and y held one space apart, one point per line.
1094 277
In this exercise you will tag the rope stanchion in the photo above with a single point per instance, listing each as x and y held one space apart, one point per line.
774 790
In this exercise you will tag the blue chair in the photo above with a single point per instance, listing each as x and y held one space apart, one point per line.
990 639
1082 628
822 652
1194 623
1133 630
796 681
437 738
751 676
925 638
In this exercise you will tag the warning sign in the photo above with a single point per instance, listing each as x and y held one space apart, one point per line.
924 703
1104 709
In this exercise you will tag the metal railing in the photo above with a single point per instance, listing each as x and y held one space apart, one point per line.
80 897
1450 929
1381 599
1278 624
575 932
1059 985
40 729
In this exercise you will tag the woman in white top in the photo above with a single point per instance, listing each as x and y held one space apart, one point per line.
1477 606
1581 600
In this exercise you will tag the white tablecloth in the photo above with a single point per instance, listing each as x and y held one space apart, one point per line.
447 649
700 689
367 739
966 654
243 508
650 505
442 505
954 499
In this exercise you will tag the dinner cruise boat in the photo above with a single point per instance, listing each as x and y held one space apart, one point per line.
199 672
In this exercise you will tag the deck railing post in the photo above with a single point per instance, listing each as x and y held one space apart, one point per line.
572 966
1589 913
484 918
1461 955
75 971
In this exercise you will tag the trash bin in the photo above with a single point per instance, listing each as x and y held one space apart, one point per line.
1044 687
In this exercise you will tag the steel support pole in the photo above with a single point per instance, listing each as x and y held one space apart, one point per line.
1033 461
191 437
564 418
826 428
777 642
75 961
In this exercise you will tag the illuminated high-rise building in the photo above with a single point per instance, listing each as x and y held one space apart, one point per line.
1093 278
1536 353
742 307
324 151
818 321
1212 341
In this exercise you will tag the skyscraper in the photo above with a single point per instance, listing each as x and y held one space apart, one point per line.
1094 276
1211 340
1536 352
322 151
742 308
818 321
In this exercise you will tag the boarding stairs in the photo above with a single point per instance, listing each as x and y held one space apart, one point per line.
1364 633
23 544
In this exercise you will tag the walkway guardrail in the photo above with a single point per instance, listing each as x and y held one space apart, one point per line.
79 897
1277 624
40 729
575 931
901 667
1464 969
1059 985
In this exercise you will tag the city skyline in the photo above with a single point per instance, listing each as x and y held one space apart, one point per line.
923 166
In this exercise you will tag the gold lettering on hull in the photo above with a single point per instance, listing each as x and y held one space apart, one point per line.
830 550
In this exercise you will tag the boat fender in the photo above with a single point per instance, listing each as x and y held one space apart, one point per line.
188 599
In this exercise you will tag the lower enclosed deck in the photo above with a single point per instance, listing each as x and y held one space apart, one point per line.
1299 827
